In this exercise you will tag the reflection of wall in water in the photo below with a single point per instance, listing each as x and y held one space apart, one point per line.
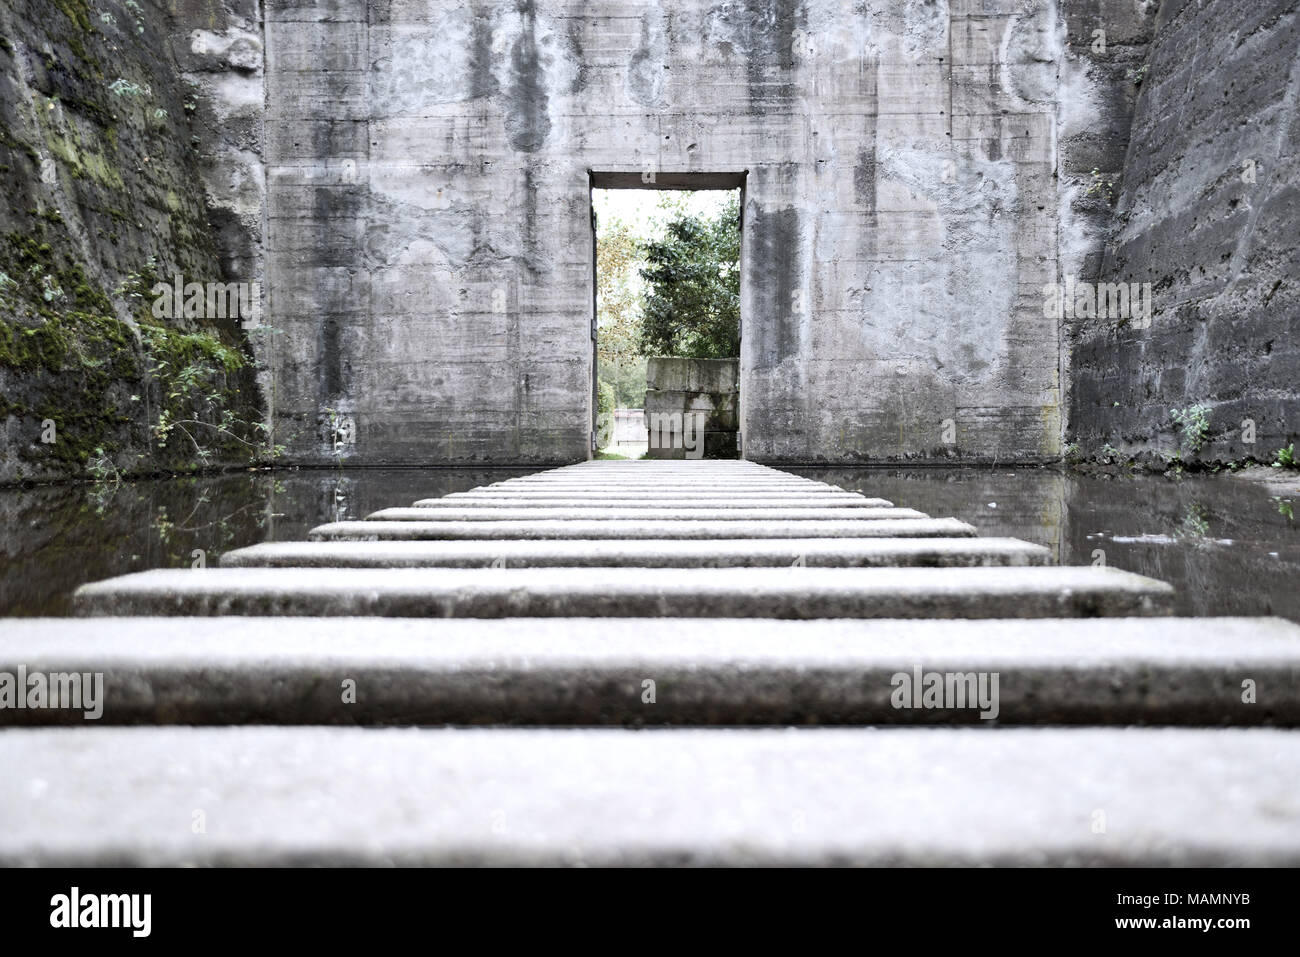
1210 537
1030 503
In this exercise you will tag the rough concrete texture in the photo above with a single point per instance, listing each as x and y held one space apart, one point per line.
641 528
585 671
614 796
429 246
645 553
651 485
708 376
1207 212
684 513
799 592
652 500
657 472
695 400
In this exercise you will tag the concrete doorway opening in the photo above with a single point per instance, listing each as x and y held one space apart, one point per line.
667 250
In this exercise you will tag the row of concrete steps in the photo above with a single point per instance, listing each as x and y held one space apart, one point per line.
658 594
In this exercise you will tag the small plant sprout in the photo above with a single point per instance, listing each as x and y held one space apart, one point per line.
1194 421
102 469
1285 458
124 87
1101 186
49 291
1195 522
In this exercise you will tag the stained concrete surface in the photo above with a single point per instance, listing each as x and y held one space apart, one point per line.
704 796
718 671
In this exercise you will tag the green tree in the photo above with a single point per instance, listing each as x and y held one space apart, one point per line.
691 306
618 313
627 375
618 296
604 398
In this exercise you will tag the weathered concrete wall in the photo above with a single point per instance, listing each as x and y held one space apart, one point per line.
429 248
99 160
219 49
691 408
1209 213
428 241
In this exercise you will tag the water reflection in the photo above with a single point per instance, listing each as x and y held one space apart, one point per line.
1229 546
58 537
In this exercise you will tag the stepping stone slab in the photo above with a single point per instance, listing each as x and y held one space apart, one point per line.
586 671
647 553
895 796
676 513
1043 592
668 502
664 488
625 529
673 498
697 479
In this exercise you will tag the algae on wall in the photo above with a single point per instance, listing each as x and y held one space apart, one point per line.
101 201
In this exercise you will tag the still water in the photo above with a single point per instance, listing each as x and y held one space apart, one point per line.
1229 545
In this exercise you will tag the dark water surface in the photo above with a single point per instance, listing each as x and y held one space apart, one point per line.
1229 545
57 537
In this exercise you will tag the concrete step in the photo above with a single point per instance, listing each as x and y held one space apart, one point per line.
625 529
647 553
585 671
686 469
655 501
608 466
677 513
588 496
689 476
1041 592
650 468
703 484
328 796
